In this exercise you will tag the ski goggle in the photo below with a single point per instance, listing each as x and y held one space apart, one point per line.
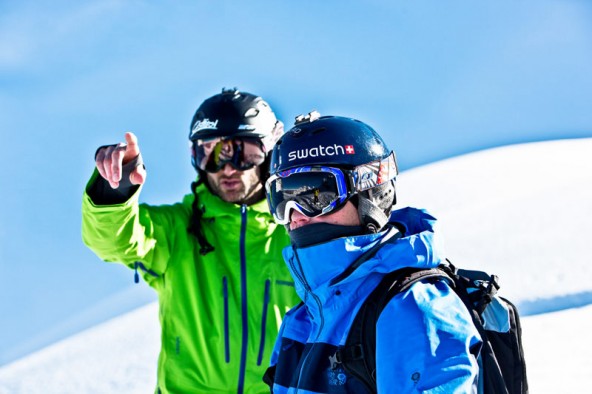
212 155
318 190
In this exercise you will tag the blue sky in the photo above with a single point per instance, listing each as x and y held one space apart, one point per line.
436 79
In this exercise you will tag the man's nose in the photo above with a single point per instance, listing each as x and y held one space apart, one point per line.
298 219
228 169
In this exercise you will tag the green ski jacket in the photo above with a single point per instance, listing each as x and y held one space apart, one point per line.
219 313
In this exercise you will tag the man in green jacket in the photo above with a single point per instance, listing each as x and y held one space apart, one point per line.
214 258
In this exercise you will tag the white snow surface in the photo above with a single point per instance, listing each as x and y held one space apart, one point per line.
518 211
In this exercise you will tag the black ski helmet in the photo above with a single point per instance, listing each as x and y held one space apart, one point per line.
344 143
235 114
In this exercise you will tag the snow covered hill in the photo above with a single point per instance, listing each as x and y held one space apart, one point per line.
520 211
118 356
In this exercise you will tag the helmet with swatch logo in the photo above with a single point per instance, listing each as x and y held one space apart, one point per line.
355 162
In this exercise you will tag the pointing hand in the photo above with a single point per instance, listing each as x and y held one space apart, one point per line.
111 159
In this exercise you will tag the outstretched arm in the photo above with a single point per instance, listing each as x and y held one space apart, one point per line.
114 225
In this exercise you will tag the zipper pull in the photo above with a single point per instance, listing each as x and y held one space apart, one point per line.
136 275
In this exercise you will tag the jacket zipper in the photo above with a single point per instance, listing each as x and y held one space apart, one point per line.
302 278
245 335
263 322
226 322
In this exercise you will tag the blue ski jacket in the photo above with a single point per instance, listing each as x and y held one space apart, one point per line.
425 339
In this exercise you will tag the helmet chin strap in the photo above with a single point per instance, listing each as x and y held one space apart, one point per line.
372 217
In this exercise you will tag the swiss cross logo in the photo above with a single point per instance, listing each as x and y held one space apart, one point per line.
349 149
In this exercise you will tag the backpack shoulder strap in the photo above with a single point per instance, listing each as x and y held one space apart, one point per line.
358 355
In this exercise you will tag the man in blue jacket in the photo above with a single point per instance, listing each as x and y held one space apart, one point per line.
332 185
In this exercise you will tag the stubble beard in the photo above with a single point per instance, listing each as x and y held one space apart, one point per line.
249 191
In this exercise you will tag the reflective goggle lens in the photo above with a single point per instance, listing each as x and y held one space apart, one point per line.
212 155
311 191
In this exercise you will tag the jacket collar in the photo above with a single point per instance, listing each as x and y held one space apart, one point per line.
314 268
215 206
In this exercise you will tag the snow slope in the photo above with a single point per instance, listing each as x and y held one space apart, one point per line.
521 211
518 211
118 356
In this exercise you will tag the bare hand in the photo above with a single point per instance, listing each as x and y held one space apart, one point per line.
110 161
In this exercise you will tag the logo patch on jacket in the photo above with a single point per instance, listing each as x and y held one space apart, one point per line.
335 374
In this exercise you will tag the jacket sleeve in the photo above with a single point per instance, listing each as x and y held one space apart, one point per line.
127 232
426 343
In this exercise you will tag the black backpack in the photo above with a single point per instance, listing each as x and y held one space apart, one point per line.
502 364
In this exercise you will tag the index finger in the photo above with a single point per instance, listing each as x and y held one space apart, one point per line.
133 149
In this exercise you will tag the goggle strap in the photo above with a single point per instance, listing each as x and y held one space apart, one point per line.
375 173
